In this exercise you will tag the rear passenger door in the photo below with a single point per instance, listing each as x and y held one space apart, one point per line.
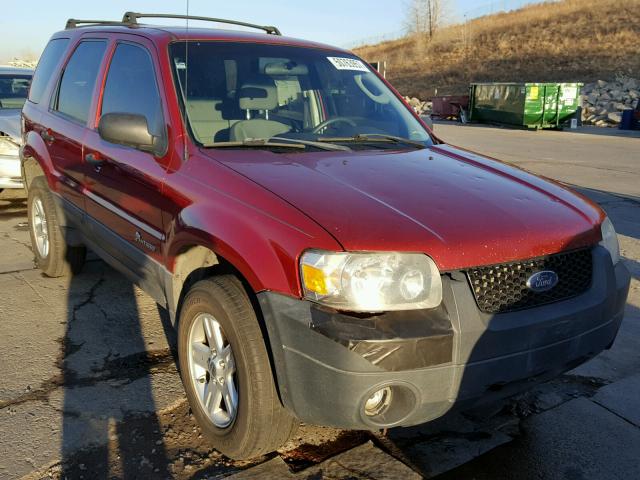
124 185
70 110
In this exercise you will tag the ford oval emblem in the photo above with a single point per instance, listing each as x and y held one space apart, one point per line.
542 281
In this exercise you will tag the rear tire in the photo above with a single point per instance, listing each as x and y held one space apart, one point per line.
259 424
52 254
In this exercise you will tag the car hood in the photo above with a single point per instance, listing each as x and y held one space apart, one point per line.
10 123
460 208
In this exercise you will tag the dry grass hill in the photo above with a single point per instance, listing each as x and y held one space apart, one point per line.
571 40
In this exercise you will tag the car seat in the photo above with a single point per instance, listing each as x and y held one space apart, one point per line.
257 98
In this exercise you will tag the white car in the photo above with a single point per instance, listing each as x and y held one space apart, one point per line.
14 87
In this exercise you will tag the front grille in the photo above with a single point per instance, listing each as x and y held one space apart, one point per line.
503 288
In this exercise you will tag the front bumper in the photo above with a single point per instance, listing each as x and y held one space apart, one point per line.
10 173
328 363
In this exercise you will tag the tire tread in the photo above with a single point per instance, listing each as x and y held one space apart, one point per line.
275 425
63 259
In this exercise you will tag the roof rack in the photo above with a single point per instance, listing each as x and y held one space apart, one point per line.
131 18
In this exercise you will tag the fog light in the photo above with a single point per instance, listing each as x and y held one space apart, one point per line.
378 402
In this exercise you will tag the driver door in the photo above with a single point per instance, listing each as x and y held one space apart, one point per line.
124 185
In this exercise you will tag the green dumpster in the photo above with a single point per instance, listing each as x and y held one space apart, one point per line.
531 105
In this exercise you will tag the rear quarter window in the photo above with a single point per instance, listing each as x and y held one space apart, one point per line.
47 65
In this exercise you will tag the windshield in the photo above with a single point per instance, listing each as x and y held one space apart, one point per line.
238 92
14 90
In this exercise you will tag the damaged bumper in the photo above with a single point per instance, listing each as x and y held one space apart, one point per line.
328 363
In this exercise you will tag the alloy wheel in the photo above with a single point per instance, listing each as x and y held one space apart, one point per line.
39 226
212 370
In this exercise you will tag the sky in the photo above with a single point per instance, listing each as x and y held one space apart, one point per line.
27 24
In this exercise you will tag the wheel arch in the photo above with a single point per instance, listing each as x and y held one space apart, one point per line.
191 264
195 262
35 161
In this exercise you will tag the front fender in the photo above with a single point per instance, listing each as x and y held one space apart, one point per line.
264 249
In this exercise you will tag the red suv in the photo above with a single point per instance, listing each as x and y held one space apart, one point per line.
325 258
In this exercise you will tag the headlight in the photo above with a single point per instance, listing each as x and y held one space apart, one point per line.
371 282
610 240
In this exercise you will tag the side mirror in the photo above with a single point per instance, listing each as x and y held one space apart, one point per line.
129 129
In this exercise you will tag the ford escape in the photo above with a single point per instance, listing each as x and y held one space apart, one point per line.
324 257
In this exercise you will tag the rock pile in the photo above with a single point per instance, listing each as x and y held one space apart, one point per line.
420 106
16 62
604 102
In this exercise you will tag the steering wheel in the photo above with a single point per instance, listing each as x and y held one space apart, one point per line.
331 121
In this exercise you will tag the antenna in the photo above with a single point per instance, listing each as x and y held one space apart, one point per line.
186 87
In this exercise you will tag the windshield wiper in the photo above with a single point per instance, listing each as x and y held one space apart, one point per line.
254 143
280 143
374 137
311 143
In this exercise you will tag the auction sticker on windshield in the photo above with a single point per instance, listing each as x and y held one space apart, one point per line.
342 63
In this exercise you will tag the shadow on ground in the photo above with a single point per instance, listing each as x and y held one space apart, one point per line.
123 409
99 411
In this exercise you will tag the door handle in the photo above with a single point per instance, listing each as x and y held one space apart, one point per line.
47 136
94 160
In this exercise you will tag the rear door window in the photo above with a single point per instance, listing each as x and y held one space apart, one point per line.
77 85
131 87
49 61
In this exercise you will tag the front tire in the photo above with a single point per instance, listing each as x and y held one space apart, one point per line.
226 371
52 254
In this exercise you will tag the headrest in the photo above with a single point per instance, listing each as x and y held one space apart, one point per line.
260 95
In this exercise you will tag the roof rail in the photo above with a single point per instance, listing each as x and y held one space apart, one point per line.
131 18
75 23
